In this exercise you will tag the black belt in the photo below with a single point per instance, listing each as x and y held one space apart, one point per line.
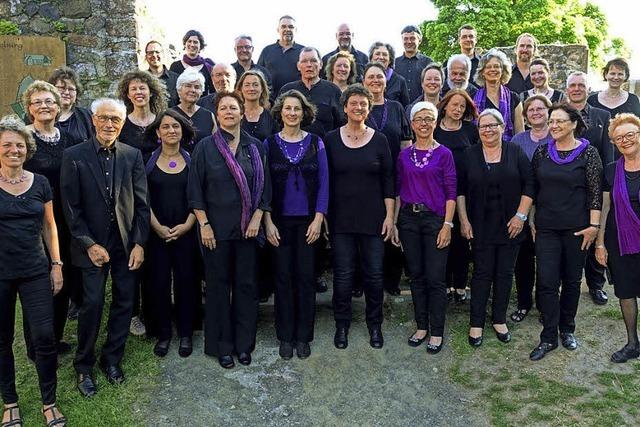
416 207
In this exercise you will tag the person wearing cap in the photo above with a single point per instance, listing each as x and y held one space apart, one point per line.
425 205
411 63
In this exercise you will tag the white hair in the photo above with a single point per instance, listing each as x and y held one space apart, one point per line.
459 57
578 74
118 104
424 105
493 113
190 75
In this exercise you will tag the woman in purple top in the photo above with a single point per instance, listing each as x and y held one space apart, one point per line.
494 198
536 113
426 202
300 196
618 242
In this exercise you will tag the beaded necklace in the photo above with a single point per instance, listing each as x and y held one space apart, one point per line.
425 159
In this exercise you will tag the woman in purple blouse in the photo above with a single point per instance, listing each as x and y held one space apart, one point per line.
426 202
300 185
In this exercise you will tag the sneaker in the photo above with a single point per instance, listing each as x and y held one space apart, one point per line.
137 327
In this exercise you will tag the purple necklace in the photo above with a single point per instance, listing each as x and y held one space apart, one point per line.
172 163
383 122
555 157
283 147
425 159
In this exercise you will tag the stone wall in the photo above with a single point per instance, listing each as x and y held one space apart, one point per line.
101 36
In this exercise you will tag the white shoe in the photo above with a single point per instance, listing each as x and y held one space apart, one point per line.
137 327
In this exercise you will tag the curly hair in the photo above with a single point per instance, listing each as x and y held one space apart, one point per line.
39 86
328 69
308 109
264 95
622 119
504 61
158 94
470 111
12 123
65 73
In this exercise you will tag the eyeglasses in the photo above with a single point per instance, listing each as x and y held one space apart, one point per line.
536 110
113 119
67 89
552 122
629 136
489 126
244 47
48 102
153 52
423 120
344 34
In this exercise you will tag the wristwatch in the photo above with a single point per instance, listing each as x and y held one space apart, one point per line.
60 263
204 224
450 224
521 216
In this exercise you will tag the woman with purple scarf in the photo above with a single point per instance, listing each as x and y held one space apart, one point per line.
171 248
618 242
229 190
566 219
492 75
193 42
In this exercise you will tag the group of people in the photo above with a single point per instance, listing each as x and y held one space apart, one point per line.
200 171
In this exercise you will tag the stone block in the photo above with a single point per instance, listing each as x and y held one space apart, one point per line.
76 8
121 27
85 70
118 64
49 11
31 8
94 24
40 26
83 40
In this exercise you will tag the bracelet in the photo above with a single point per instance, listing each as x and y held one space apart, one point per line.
595 226
521 216
450 224
204 224
599 246
60 263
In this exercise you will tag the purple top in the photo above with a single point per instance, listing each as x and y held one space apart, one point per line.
431 185
528 145
295 201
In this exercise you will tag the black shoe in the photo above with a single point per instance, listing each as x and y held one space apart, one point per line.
303 350
161 348
569 341
341 338
263 300
186 347
286 350
460 298
226 361
475 342
357 293
375 338
434 349
86 385
450 296
72 314
505 338
114 374
541 350
63 347
598 296
244 359
321 287
625 353
393 291
415 342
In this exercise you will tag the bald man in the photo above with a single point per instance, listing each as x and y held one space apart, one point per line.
344 37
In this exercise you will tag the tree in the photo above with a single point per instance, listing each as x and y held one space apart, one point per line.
499 22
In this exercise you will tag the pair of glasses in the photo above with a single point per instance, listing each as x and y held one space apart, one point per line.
113 119
552 122
629 136
48 102
424 120
489 126
63 89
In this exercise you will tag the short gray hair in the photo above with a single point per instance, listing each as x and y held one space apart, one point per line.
578 74
114 102
493 113
310 49
459 57
502 57
423 105
190 75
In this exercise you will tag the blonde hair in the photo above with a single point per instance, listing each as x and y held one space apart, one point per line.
39 86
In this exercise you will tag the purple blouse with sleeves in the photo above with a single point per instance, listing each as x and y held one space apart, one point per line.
432 185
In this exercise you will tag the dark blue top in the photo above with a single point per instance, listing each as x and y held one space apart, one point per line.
410 69
282 65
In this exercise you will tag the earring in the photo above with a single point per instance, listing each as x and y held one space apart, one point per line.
159 141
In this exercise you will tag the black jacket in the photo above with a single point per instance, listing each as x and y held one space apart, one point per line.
86 203
517 181
598 133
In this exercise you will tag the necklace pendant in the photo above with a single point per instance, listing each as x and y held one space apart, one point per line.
173 164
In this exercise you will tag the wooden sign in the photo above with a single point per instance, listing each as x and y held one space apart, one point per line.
25 59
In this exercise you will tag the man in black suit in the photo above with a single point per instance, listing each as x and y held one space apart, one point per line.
104 193
597 121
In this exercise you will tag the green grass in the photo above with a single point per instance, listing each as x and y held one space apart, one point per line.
113 405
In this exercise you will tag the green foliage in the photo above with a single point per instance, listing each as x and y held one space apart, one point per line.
8 28
499 22
60 27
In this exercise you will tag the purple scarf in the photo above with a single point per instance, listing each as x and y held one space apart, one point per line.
388 73
504 106
249 199
198 60
553 152
626 219
156 155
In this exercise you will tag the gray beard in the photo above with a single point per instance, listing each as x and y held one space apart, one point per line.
452 85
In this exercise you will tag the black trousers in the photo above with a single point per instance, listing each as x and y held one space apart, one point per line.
94 279
295 298
392 266
231 307
458 258
526 272
559 260
171 262
594 272
346 247
37 305
493 264
427 267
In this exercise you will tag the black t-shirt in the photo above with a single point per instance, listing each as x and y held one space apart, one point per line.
495 224
22 252
263 128
168 196
78 126
396 128
361 178
202 122
457 140
281 64
631 105
134 136
632 180
517 82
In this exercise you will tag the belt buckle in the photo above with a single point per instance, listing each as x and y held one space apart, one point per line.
416 207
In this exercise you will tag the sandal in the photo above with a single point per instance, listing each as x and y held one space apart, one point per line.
60 421
13 421
519 315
